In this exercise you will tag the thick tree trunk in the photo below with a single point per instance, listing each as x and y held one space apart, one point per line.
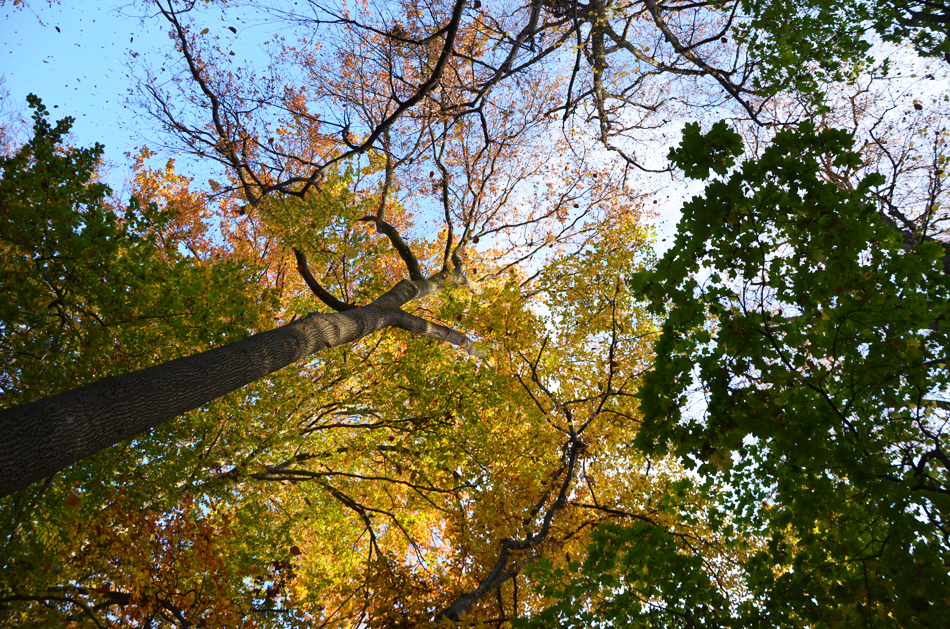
39 439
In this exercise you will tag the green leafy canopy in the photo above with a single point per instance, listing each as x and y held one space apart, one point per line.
812 345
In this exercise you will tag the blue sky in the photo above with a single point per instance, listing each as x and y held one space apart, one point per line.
79 70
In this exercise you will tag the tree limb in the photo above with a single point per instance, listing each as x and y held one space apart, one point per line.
501 571
322 294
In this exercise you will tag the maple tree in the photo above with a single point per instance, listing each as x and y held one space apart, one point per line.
800 370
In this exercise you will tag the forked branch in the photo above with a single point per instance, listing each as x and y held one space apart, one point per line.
502 570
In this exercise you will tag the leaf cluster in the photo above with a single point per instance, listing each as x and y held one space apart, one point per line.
88 289
801 367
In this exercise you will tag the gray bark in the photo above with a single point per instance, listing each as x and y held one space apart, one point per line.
39 439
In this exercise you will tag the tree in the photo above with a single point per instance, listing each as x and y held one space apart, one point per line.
126 405
90 546
801 368
340 503
518 485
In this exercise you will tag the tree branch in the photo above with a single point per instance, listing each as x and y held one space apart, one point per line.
501 572
412 263
322 294
423 327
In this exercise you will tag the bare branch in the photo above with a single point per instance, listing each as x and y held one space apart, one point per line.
315 287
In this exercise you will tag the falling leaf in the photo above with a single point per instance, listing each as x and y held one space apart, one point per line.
57 30
232 29
73 498
204 32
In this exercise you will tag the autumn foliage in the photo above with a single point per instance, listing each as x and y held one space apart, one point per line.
538 421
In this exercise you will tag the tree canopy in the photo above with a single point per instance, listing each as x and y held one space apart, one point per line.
800 371
410 356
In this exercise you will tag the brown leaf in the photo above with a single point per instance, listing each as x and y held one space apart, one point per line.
73 498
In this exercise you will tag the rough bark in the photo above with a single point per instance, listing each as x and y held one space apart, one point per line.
44 437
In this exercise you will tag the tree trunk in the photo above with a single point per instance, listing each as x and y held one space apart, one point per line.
42 438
